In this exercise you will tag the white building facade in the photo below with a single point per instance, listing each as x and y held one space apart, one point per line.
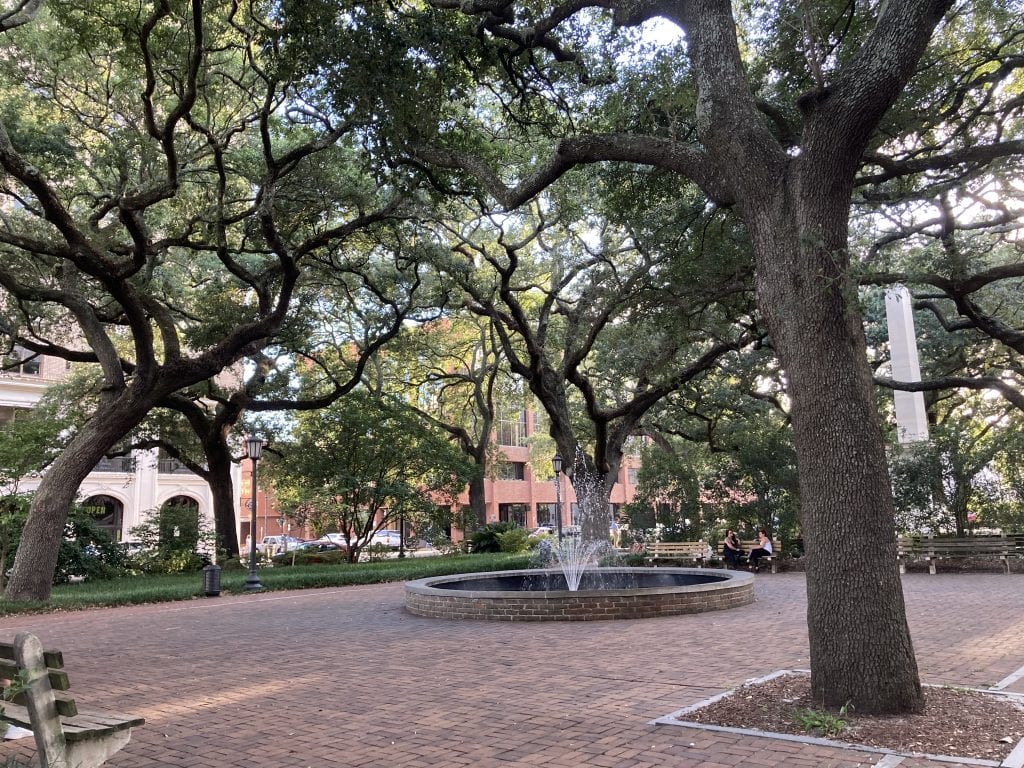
122 491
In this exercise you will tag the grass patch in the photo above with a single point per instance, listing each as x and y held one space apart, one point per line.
187 586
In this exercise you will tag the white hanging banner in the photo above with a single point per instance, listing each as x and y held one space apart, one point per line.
911 417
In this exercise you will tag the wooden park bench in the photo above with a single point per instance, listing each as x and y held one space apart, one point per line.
933 549
65 737
697 552
747 546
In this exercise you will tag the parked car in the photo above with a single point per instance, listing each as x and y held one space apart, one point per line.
337 538
320 545
391 539
274 543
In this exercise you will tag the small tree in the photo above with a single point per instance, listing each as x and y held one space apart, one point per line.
173 540
363 465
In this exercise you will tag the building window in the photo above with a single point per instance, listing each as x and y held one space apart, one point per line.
512 470
545 514
22 361
631 475
513 513
165 465
115 464
107 512
512 431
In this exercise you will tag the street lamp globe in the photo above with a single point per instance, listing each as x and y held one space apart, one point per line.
254 447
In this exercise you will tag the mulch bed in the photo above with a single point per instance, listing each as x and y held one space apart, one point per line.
956 722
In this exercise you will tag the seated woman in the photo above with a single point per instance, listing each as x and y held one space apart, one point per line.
731 550
763 549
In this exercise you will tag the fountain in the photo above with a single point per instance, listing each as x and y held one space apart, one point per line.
577 590
575 554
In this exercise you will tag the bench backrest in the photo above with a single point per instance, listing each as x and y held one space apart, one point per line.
968 545
750 544
11 668
678 548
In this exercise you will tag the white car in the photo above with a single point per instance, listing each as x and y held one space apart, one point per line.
390 539
336 538
274 543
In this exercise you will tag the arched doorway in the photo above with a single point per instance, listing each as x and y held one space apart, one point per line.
108 513
179 523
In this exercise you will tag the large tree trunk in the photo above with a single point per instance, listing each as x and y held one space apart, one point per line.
860 646
477 499
32 575
222 492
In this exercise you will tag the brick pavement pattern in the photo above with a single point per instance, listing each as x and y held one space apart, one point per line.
346 677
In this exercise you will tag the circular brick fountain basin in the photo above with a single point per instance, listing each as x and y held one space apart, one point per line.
604 593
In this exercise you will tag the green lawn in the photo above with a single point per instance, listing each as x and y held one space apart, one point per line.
187 586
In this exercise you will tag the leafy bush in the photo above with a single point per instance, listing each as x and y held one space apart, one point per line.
172 538
515 540
87 551
446 546
374 553
485 539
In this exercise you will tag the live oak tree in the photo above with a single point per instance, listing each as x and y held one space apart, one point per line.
162 192
784 112
350 303
450 372
589 319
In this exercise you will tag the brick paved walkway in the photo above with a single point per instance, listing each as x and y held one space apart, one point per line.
344 677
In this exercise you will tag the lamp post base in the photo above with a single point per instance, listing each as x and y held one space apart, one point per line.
252 582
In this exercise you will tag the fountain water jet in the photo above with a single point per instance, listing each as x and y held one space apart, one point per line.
575 554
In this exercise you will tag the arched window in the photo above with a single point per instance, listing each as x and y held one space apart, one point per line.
108 513
182 501
179 522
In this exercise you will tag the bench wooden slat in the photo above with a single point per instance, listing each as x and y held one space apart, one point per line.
678 550
90 725
64 703
52 659
58 677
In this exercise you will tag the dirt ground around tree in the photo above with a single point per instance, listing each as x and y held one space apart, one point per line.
956 721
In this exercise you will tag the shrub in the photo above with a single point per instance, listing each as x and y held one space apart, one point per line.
172 538
515 540
87 551
485 539
446 546
374 553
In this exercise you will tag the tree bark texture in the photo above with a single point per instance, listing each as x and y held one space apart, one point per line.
860 646
222 493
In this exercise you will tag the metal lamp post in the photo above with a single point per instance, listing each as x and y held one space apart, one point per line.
556 464
254 446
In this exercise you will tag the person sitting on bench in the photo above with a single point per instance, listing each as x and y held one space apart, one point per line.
731 550
763 549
